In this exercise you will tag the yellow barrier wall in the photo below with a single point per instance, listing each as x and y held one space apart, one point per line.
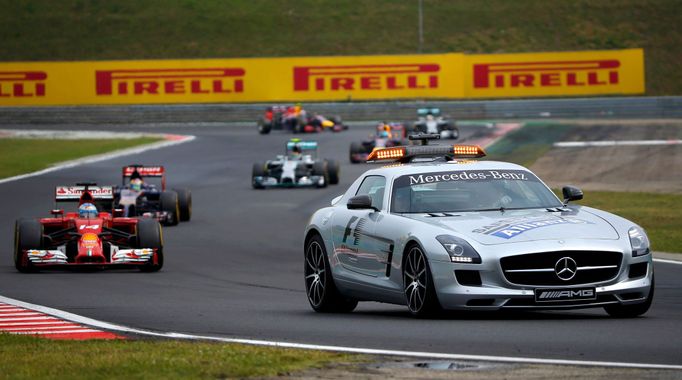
554 74
322 78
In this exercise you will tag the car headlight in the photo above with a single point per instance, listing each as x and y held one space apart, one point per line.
638 241
459 250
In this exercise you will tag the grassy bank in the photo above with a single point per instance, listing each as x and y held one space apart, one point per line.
528 143
24 357
657 213
19 156
128 29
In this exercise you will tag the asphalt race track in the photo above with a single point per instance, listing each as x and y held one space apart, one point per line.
236 269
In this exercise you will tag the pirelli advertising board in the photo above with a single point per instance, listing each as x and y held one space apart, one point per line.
435 76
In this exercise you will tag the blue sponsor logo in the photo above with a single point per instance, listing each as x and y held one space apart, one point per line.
514 229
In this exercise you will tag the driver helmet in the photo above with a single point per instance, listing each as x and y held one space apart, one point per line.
296 150
136 184
87 211
383 134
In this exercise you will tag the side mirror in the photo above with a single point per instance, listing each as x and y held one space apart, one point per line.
571 194
360 202
56 212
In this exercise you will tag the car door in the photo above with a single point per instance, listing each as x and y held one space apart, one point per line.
356 246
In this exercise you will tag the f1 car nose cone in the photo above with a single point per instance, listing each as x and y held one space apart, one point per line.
566 268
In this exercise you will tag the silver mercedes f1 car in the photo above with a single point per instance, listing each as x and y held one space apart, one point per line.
437 230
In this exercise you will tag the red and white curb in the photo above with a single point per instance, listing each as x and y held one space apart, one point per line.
23 321
168 140
354 350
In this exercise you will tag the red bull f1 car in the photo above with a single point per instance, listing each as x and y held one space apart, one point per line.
297 120
89 237
138 197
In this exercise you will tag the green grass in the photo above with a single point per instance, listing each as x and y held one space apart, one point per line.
130 29
24 357
528 143
19 156
657 213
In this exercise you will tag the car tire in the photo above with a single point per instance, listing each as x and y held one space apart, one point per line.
28 234
455 133
185 204
264 126
631 311
320 168
258 170
355 148
169 203
321 290
418 286
333 170
149 235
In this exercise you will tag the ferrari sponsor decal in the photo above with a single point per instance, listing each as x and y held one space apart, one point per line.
510 228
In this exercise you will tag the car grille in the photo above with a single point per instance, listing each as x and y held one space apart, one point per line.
539 268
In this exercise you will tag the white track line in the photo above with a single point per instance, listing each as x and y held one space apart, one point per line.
102 157
580 144
668 261
370 351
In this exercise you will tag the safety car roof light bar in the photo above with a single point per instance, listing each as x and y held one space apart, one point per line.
407 153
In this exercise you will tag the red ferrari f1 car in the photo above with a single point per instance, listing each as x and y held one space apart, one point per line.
91 237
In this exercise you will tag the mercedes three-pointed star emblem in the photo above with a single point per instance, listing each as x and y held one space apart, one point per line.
566 268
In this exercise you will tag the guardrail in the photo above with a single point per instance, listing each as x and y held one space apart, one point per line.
611 107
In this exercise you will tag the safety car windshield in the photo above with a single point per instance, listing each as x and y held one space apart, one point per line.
470 190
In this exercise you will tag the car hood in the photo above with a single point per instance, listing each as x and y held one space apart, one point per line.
512 226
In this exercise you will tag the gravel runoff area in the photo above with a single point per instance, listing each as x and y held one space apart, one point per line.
617 168
408 368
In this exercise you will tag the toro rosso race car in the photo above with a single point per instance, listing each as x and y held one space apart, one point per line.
89 237
431 121
299 167
437 230
137 197
386 135
297 120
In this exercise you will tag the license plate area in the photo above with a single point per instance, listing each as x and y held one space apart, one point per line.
565 295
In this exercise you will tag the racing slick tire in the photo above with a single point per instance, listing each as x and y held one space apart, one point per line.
355 148
149 235
320 169
258 170
185 203
264 126
631 311
419 289
333 170
169 203
319 283
28 234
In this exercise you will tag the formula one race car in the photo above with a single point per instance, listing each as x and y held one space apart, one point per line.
89 237
386 135
140 198
431 121
299 167
297 120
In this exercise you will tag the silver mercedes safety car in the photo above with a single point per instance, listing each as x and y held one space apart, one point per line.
437 230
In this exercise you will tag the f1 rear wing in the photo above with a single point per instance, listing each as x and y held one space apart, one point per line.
145 171
74 193
303 145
